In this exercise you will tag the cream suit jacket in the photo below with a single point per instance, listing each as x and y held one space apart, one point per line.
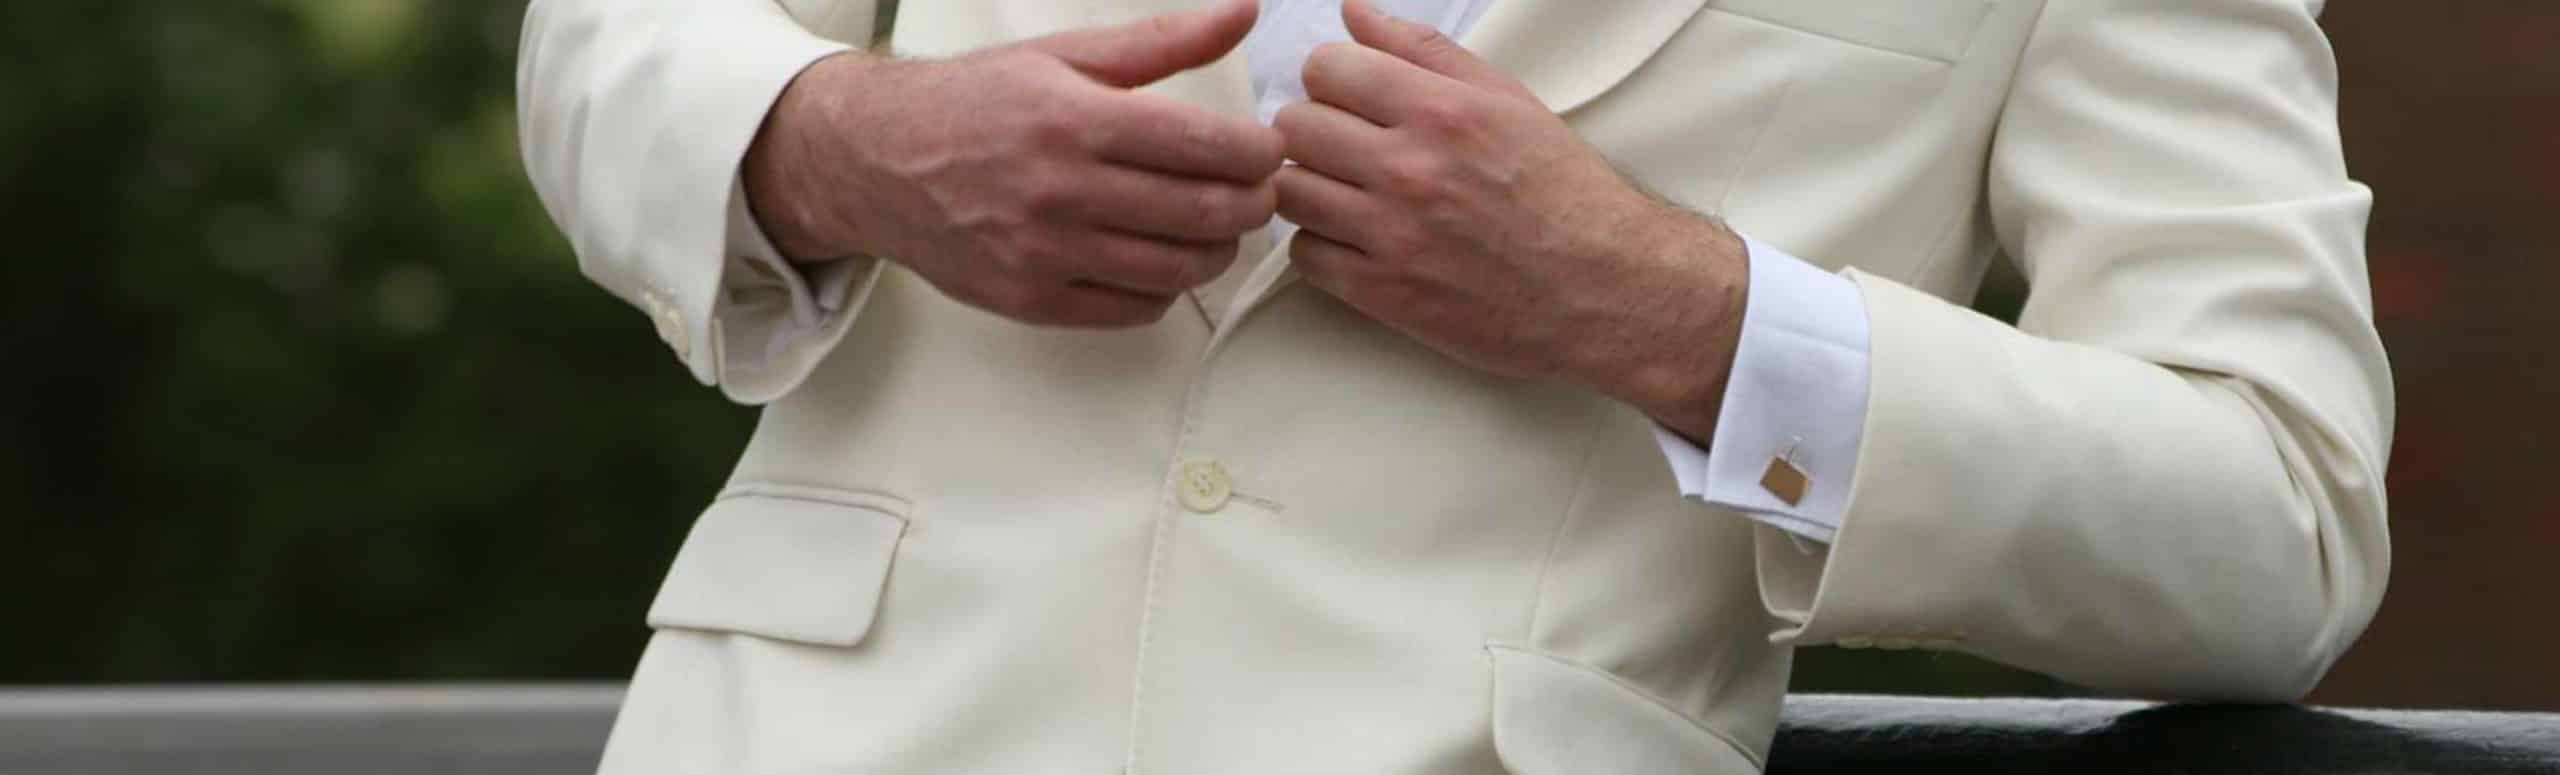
1277 537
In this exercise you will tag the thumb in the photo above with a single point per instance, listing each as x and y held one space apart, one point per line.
1424 46
1150 49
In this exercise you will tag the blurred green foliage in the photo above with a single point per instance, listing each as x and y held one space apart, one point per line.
303 385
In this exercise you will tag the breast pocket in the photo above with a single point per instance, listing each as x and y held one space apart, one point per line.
799 564
1936 30
1872 157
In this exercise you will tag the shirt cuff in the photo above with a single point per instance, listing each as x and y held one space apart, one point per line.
1798 393
816 292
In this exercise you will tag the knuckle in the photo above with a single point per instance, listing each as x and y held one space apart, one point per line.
1048 193
1258 204
1057 126
1413 175
1324 62
1061 121
1428 41
1446 113
1031 257
1398 242
1265 150
1194 137
1211 206
1222 209
1290 119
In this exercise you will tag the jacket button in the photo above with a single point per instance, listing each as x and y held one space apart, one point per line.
1204 487
1855 642
1890 643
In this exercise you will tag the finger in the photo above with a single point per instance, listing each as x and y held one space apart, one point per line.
1330 265
1087 305
1322 204
1148 50
1330 140
1150 266
1159 205
1167 135
1369 83
1424 45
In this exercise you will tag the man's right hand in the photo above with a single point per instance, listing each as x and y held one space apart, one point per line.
1026 179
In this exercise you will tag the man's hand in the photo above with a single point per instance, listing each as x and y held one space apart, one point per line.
1026 179
1438 196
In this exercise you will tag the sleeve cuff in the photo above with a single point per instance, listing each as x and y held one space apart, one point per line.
810 295
1798 393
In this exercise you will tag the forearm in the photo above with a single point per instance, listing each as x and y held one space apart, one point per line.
786 202
1671 344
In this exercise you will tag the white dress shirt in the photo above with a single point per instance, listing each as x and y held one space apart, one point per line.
1797 394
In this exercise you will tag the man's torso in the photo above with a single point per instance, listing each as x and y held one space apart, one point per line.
1275 535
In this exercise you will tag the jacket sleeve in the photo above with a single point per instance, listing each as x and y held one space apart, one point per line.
2167 480
635 115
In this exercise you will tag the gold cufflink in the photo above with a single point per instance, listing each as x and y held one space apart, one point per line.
1783 478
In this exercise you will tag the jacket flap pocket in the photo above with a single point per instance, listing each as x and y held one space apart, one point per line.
1555 717
1939 30
795 564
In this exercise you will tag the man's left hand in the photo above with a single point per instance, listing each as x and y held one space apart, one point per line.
1438 196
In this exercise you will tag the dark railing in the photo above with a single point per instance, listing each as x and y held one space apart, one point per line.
556 729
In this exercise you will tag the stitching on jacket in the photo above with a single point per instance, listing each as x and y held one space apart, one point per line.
841 497
1581 484
1751 153
2008 92
1160 548
1980 14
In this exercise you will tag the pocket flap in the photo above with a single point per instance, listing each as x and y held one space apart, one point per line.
1938 30
796 564
1555 717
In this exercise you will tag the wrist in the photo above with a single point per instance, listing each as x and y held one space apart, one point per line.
789 167
1679 373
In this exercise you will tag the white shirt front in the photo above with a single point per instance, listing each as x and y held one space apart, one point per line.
1798 391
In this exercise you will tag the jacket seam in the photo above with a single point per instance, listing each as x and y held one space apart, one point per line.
2008 93
1159 549
1863 45
1572 506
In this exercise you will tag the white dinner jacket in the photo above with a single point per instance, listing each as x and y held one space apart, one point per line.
1278 537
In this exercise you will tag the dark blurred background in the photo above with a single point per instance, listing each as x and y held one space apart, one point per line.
300 384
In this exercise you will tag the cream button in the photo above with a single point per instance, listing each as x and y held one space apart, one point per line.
1204 486
1856 642
1893 644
